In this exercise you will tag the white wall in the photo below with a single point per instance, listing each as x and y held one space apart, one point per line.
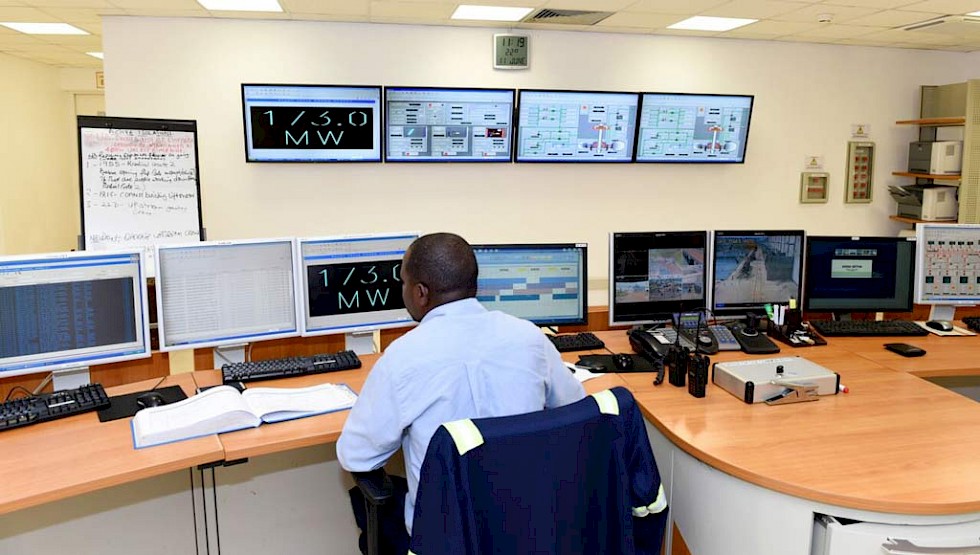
39 198
806 98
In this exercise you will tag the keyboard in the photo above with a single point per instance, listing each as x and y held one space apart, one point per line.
584 341
51 406
288 367
867 328
972 322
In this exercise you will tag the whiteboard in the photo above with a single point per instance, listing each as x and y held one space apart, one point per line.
139 182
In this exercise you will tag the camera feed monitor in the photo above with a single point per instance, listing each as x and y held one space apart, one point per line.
225 293
312 123
755 268
709 128
352 284
655 274
546 284
947 266
859 274
424 124
576 126
71 310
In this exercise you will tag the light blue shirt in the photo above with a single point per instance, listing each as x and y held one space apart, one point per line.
462 361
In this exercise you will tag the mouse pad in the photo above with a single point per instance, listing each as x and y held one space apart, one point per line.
124 406
640 364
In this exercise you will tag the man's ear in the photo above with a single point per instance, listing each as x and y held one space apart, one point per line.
422 293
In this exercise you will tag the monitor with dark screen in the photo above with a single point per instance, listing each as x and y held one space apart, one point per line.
859 274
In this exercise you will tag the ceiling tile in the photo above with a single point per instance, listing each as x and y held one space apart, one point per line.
752 9
945 6
157 4
414 11
892 18
25 15
584 5
71 3
776 28
880 4
838 31
82 14
640 20
812 12
690 7
75 42
331 7
167 12
15 42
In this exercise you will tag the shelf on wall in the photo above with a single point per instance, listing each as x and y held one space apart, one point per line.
907 220
947 177
933 122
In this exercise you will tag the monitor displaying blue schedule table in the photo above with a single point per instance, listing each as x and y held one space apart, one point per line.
546 284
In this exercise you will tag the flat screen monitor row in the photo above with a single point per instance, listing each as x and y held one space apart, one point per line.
74 309
332 123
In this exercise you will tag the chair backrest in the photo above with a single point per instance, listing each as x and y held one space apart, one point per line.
576 479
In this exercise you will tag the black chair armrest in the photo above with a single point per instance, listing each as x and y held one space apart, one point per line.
375 485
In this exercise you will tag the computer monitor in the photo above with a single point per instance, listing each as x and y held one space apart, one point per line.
351 284
312 123
705 128
754 268
576 126
429 124
947 267
63 312
225 293
546 284
653 275
858 274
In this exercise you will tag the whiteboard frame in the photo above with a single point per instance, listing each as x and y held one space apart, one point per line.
145 124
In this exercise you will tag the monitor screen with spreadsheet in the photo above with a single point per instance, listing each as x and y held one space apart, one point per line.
71 310
427 124
312 123
706 128
352 283
544 283
947 265
225 293
576 126
858 274
755 268
653 275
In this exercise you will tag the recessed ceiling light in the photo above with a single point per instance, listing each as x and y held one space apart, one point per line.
44 28
706 23
974 13
241 5
96 55
490 13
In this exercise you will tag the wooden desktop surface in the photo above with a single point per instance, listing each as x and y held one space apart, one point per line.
53 460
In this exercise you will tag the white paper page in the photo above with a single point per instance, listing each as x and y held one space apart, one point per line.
275 404
213 411
581 374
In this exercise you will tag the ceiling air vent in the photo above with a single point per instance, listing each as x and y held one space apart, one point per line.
954 25
566 17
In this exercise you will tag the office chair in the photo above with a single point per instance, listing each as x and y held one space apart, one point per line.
575 479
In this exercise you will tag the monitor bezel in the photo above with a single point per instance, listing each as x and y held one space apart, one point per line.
381 124
636 140
583 247
920 254
511 140
75 361
659 316
302 291
736 310
165 346
517 128
807 281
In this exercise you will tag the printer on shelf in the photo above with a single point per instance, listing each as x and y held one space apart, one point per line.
926 202
936 157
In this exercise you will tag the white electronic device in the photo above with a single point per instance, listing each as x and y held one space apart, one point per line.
761 380
936 157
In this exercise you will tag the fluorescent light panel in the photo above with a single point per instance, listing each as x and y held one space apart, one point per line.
44 28
241 5
706 23
974 13
490 13
96 55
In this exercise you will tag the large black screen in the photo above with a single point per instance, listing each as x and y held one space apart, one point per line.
869 274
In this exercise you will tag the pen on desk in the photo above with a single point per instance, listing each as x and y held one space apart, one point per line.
842 388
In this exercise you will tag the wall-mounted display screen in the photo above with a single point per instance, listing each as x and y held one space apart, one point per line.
312 123
576 126
710 128
425 124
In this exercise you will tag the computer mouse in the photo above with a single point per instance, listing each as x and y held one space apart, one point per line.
623 362
941 325
150 399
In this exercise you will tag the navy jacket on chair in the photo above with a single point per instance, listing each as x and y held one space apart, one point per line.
579 479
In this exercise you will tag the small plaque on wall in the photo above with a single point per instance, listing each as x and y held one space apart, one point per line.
814 187
511 51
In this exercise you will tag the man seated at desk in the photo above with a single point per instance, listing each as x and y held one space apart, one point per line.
462 361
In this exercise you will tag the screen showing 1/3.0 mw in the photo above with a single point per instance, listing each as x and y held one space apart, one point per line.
311 123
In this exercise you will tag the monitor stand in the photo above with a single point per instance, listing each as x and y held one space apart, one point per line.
71 378
942 312
228 354
361 342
